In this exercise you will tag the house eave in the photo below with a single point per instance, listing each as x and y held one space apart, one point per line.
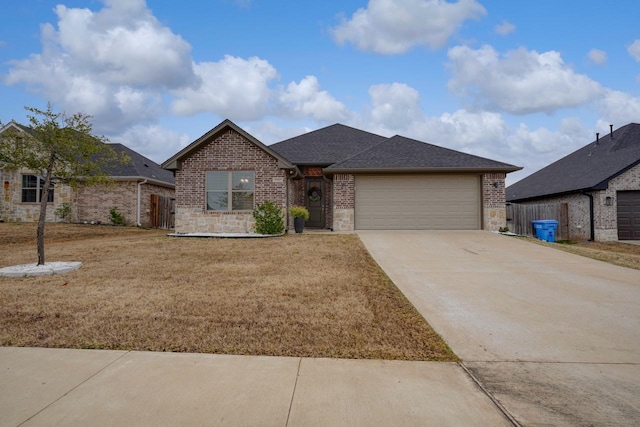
331 170
142 178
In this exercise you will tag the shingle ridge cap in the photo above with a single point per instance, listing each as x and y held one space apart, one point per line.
363 150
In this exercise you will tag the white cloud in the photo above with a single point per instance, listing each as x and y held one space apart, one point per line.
395 26
505 28
634 50
234 88
394 106
112 64
597 56
520 81
619 107
306 99
156 142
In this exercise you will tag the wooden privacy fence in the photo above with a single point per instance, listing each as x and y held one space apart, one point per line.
520 217
162 212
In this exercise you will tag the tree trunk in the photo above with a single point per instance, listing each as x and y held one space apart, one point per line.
43 212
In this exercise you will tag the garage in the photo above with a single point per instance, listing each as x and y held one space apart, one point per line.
418 202
629 215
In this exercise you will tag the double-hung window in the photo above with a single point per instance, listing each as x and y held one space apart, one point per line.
32 187
230 190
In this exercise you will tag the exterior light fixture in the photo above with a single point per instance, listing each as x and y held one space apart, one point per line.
608 201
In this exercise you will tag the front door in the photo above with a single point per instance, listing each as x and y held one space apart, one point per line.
314 199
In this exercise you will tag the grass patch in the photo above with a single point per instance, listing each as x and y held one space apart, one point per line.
305 295
622 254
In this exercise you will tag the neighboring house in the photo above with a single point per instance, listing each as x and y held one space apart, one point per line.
131 190
600 183
347 178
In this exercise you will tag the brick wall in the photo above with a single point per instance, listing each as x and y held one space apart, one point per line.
228 151
93 203
493 201
343 202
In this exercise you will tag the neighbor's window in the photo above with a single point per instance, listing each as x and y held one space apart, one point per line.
32 187
230 190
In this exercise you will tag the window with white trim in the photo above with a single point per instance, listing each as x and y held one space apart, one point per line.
230 190
32 187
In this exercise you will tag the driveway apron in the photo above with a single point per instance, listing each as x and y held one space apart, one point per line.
554 337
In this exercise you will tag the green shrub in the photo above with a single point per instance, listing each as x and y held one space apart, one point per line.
269 219
299 212
64 211
115 216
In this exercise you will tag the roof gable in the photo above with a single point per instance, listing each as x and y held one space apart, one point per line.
589 168
175 162
326 146
405 154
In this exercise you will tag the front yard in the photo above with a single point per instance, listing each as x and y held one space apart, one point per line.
618 253
309 295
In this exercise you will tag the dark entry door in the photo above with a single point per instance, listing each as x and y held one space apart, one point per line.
314 199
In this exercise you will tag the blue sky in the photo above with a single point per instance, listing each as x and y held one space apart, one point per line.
521 82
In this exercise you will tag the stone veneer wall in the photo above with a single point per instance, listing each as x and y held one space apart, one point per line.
494 208
13 210
229 151
344 202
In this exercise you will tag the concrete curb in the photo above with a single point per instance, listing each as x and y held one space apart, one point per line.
47 269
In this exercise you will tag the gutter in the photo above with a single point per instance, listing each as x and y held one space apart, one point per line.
591 219
140 184
332 170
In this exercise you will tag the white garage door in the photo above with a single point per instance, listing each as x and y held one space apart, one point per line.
418 202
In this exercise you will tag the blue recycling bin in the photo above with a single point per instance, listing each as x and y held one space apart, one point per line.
546 229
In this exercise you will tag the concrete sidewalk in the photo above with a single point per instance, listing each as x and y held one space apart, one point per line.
62 387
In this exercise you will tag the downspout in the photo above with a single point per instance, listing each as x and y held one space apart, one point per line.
140 184
591 220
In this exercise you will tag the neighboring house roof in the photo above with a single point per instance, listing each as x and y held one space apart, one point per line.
587 169
400 154
139 167
174 163
326 146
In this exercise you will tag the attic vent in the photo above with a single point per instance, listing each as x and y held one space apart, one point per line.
146 165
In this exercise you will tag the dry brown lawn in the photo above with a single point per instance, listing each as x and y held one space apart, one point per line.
618 253
311 295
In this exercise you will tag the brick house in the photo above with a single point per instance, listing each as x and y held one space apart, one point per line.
347 178
133 185
600 182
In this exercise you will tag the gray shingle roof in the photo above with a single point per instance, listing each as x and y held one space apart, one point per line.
326 146
139 166
342 148
589 168
401 153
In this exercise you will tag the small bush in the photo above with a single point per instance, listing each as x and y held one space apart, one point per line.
504 229
299 212
64 211
116 217
269 219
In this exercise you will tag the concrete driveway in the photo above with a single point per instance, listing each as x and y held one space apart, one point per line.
553 337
